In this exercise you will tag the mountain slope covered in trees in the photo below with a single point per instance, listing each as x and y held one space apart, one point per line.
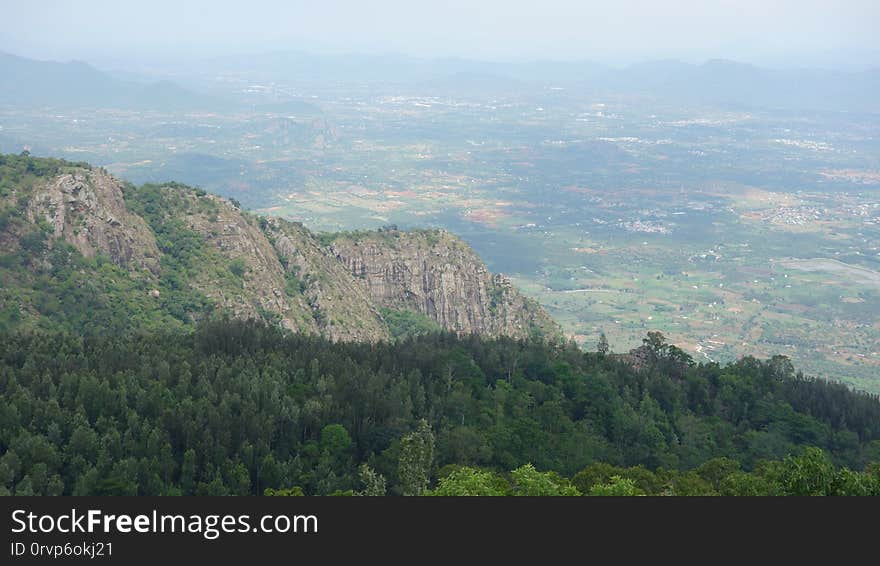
158 340
239 407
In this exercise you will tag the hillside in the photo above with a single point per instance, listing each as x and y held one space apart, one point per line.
241 408
145 352
89 253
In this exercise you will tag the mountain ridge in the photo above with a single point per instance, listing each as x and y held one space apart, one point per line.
25 81
191 254
29 82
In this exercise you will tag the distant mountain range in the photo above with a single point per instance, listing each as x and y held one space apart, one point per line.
727 82
27 82
715 82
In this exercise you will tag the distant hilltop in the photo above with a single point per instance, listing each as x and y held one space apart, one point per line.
27 82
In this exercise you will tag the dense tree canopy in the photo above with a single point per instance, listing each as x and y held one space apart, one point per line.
242 408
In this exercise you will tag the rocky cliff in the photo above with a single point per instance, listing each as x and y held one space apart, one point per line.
86 208
340 305
438 275
257 285
182 254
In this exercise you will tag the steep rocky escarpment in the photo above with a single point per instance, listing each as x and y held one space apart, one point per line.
341 306
86 208
436 274
253 285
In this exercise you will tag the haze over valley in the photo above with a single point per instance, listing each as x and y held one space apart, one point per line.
733 207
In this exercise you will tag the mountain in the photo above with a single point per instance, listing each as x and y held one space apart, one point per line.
143 352
715 82
721 81
78 84
87 252
295 107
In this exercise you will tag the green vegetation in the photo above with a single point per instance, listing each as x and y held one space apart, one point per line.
406 323
523 481
244 408
617 214
48 284
238 267
18 175
19 172
496 296
58 288
184 251
119 381
200 268
294 285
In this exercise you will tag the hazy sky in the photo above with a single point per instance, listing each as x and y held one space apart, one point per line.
799 31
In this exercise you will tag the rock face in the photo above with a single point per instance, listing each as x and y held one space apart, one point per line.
341 306
238 238
438 275
186 240
86 208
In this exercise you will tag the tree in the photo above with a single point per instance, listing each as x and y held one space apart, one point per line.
238 407
529 481
294 491
238 267
676 354
24 487
716 469
691 484
239 480
335 441
188 472
595 474
811 473
656 342
616 486
212 488
374 484
466 481
746 485
781 367
465 445
416 457
853 483
602 348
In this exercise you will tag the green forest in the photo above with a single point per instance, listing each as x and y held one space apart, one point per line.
240 407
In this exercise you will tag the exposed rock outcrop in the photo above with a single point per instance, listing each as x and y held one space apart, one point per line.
238 238
438 275
341 306
87 209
